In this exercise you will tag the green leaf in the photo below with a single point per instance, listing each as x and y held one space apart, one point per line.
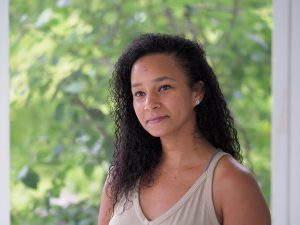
88 169
59 111
29 177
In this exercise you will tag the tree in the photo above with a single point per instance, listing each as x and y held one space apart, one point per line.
62 56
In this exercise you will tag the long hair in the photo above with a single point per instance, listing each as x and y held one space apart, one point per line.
137 153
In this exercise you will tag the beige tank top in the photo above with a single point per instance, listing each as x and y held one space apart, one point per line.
194 207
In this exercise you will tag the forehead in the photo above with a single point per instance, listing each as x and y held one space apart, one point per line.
156 65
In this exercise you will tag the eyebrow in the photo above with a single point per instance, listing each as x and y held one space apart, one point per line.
159 79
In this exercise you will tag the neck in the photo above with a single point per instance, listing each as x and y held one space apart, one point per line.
184 152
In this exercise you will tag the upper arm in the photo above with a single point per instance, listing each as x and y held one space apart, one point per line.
237 196
105 206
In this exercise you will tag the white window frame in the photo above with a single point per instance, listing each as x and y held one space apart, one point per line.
285 173
4 113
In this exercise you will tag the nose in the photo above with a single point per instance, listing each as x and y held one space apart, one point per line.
151 102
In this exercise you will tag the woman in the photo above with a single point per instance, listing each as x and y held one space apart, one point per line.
177 153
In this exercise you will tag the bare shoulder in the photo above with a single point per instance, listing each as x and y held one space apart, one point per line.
105 211
237 196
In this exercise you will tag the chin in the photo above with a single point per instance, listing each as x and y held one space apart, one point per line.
157 133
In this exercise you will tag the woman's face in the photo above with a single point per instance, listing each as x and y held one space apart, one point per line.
162 99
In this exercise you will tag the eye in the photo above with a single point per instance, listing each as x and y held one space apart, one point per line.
164 87
139 94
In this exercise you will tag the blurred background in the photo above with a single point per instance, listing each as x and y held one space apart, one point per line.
62 54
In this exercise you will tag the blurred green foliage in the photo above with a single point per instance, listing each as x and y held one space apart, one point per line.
62 56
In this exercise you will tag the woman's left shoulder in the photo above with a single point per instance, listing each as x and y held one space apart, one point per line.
232 177
229 169
237 195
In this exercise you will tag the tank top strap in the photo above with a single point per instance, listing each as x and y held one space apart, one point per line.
214 159
211 158
209 182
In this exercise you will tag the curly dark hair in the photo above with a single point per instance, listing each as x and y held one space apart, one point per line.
138 153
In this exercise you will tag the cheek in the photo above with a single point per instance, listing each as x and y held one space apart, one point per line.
183 101
183 106
138 110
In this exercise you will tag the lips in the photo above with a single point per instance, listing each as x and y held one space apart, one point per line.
155 120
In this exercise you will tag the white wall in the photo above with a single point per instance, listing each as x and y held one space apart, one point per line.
285 193
4 115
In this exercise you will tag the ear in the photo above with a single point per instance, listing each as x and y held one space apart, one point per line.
198 91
